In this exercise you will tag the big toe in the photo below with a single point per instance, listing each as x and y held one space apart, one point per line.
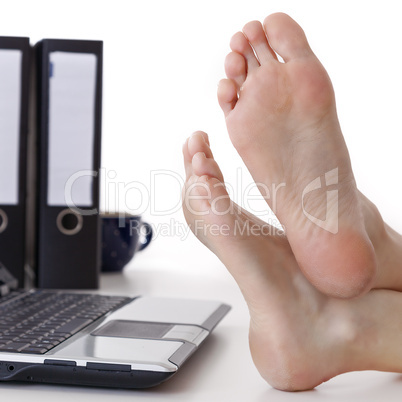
286 37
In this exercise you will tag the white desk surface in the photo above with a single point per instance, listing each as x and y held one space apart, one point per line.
222 370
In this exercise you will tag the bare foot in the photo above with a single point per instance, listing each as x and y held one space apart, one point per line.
298 336
282 119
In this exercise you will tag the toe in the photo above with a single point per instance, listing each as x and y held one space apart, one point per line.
204 136
198 157
206 166
255 34
227 95
236 69
197 143
286 37
241 45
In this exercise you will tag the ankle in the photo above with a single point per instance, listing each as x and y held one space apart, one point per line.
351 333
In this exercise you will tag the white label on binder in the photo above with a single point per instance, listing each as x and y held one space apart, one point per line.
72 90
10 104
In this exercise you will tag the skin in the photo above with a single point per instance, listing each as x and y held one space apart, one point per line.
301 287
282 120
295 329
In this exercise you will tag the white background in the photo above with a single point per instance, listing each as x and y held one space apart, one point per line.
162 62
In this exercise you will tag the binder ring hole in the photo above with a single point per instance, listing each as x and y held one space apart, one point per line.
3 221
69 222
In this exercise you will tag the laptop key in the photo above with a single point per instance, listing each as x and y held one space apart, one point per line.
6 338
13 347
26 340
54 338
51 343
73 326
41 345
33 350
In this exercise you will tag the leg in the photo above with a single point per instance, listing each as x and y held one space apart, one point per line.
281 117
294 330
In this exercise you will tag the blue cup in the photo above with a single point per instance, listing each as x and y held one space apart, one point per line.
122 236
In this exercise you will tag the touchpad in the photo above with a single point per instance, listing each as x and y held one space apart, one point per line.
133 329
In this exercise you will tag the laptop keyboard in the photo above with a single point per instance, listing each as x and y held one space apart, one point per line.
37 321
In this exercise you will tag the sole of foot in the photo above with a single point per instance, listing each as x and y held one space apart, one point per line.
280 112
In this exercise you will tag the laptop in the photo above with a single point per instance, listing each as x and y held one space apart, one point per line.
63 337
